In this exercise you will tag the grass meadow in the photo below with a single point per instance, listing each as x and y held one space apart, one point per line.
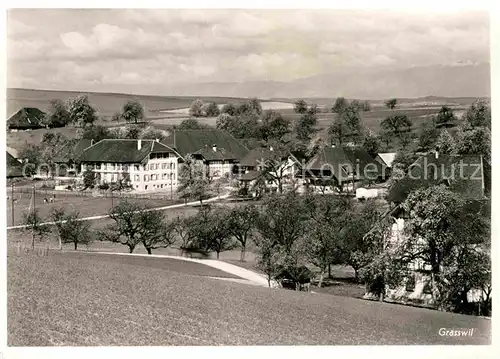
73 300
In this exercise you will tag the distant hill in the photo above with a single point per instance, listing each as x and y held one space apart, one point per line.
443 81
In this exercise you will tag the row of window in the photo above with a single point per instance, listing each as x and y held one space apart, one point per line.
170 176
161 155
125 167
158 186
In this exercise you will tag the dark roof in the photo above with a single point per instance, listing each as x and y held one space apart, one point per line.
14 167
220 154
473 181
26 117
122 151
250 176
71 150
191 141
255 156
337 158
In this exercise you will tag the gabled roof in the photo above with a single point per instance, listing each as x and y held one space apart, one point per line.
468 175
190 141
14 167
122 151
255 156
220 154
71 150
342 161
387 158
26 117
250 176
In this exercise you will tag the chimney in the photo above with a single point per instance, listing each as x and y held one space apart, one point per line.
436 154
157 140
214 148
271 148
333 145
92 142
139 145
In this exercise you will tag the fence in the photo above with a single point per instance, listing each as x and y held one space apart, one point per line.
43 192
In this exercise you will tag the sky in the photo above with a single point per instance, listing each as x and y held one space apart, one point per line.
148 50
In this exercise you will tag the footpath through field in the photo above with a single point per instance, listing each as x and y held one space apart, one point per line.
173 206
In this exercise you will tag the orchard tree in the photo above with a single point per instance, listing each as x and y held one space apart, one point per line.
366 106
340 105
445 117
479 114
80 111
96 133
346 126
193 181
396 124
70 228
89 178
427 136
225 122
57 115
476 141
34 224
241 225
230 109
371 145
132 111
305 127
190 124
212 110
338 132
273 126
445 143
256 106
196 109
391 104
300 106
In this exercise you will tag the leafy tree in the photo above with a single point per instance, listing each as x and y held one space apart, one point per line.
89 179
300 106
371 145
366 106
479 114
449 234
474 142
212 231
256 106
346 126
190 124
57 115
134 224
230 109
340 105
427 136
275 167
357 248
445 117
273 126
445 143
196 109
183 228
225 122
385 137
34 223
268 257
70 229
403 159
396 124
31 156
338 132
193 181
152 134
305 127
357 105
96 133
241 225
327 216
132 132
132 111
391 104
80 111
212 110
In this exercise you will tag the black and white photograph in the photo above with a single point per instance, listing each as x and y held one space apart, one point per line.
215 177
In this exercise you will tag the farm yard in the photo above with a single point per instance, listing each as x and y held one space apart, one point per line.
72 301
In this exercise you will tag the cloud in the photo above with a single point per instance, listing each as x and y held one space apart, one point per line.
99 47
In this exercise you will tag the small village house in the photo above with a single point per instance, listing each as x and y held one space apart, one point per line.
26 119
343 169
14 167
386 159
429 170
146 165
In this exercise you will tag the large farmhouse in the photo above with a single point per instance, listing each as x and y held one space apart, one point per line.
25 119
147 165
218 150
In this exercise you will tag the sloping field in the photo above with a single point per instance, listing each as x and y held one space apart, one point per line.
58 300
